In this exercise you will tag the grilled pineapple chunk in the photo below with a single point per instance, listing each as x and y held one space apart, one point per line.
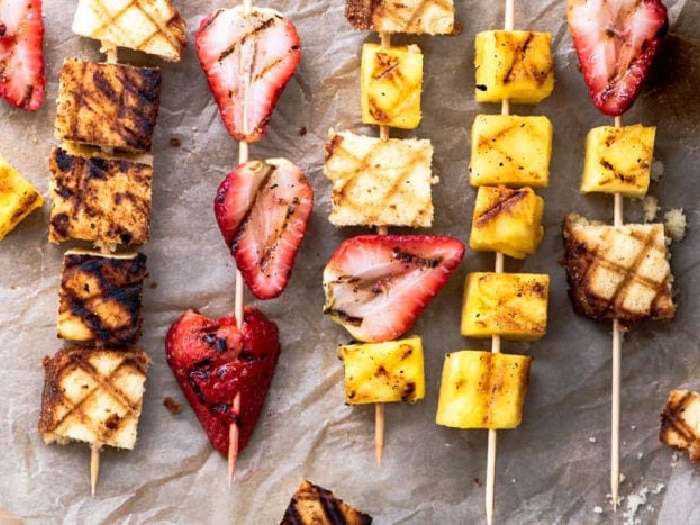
383 372
512 305
507 221
18 198
391 85
618 160
514 65
482 390
508 149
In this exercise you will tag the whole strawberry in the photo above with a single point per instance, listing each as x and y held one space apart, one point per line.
214 359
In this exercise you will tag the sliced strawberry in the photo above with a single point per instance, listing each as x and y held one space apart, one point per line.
262 209
22 80
213 360
616 41
248 58
376 285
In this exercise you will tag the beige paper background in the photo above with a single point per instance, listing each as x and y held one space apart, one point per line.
553 469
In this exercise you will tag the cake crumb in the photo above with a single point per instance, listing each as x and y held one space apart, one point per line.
675 224
598 509
650 205
657 170
592 439
173 406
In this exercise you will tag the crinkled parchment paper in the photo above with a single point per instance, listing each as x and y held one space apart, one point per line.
553 469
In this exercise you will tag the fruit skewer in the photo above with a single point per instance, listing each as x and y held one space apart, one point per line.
615 44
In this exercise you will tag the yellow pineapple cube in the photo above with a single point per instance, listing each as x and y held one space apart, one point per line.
507 220
391 85
508 149
618 160
482 390
18 198
514 65
512 305
383 372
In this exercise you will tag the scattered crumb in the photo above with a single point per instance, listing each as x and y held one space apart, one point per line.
598 509
303 131
675 224
173 406
658 489
634 501
622 478
640 455
458 28
195 129
651 207
476 482
674 457
633 427
657 170
153 285
592 439
175 142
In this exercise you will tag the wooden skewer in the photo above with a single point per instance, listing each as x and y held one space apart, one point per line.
615 408
233 439
94 466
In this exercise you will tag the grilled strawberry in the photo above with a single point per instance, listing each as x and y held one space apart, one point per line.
214 359
248 58
262 209
376 285
22 80
616 41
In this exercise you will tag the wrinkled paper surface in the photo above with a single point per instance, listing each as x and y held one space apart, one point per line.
554 468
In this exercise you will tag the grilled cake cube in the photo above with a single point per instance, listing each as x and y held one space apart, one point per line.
510 150
111 105
314 505
379 183
483 390
106 200
391 85
512 305
413 17
617 272
618 160
151 26
93 395
515 65
680 422
383 372
507 220
100 298
18 198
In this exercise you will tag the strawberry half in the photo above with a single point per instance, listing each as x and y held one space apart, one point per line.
214 359
616 41
376 285
262 209
22 80
248 58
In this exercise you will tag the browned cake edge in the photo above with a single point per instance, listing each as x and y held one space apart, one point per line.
335 511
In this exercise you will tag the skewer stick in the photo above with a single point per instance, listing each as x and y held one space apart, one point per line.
233 439
94 466
615 408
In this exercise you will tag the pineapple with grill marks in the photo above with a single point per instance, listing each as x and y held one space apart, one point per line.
18 198
483 390
512 305
383 372
515 65
391 85
618 160
511 150
507 221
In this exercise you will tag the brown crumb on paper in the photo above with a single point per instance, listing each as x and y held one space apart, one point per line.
173 406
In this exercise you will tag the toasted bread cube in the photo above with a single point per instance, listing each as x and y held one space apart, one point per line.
314 505
100 298
680 422
483 390
618 272
618 160
513 65
512 305
154 27
413 17
379 183
111 105
507 221
99 198
511 150
18 198
93 395
383 372
391 85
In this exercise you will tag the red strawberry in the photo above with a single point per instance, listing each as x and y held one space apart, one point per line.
616 41
215 359
22 80
248 59
262 209
376 285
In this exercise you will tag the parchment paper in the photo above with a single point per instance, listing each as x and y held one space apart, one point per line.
553 469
